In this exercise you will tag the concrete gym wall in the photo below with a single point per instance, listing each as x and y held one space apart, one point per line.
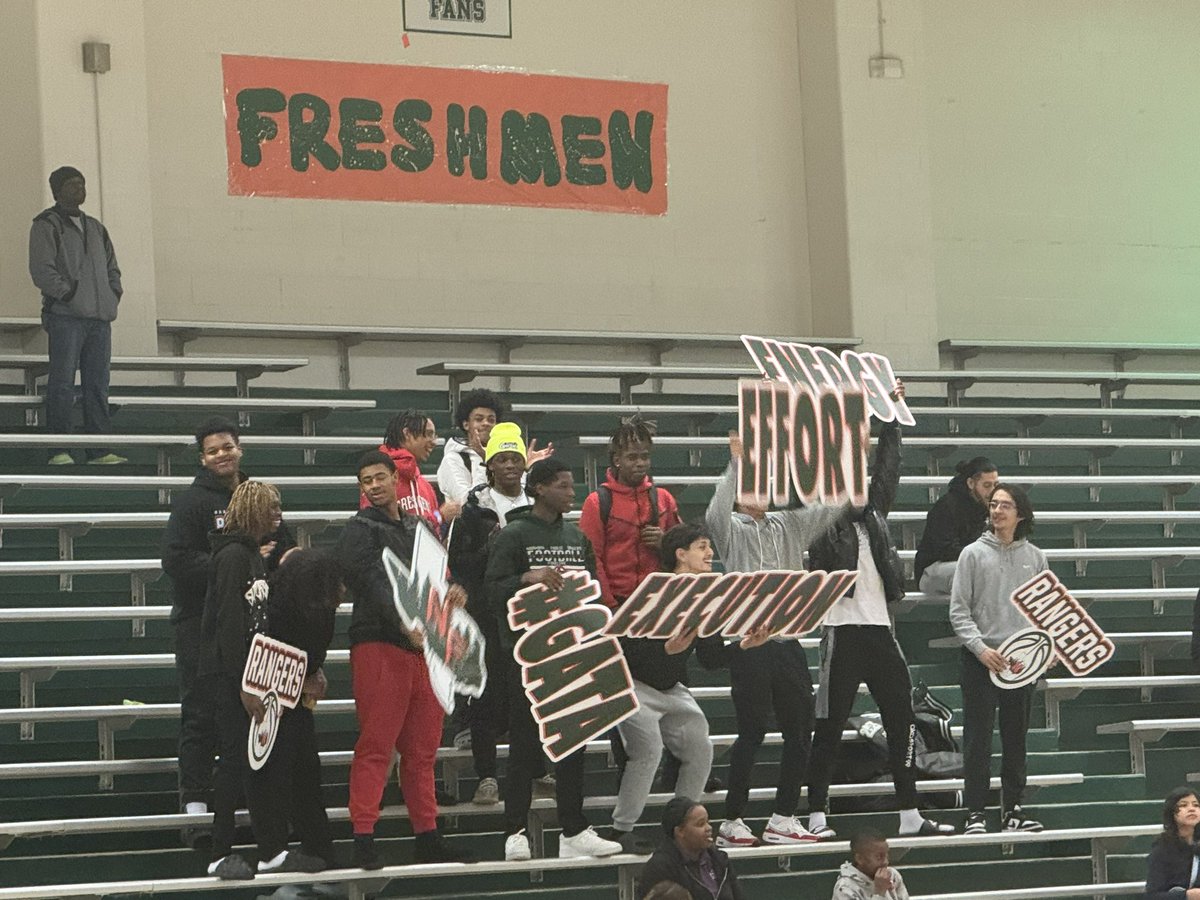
1064 168
730 254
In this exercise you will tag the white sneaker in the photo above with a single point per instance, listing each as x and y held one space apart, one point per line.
787 830
735 833
516 847
586 843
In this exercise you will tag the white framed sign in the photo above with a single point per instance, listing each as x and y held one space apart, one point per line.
475 18
274 672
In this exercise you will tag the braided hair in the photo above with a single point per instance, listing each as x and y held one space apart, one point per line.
632 431
252 509
410 420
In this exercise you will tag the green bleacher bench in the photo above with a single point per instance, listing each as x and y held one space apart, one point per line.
504 339
627 866
961 350
141 571
20 325
1043 893
1148 731
1150 644
1058 690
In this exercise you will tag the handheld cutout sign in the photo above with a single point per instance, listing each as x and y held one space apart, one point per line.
574 675
454 645
787 604
275 673
1061 631
819 368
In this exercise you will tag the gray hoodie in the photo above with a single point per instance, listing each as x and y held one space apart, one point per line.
76 270
777 541
981 609
854 885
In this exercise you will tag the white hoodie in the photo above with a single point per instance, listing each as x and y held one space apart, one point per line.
454 478
854 885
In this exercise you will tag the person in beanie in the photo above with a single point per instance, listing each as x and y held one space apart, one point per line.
958 518
687 856
73 264
867 876
397 709
535 547
983 617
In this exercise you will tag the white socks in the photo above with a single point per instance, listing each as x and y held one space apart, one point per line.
195 809
910 821
274 863
816 821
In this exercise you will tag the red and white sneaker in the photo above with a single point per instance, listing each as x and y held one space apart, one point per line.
787 830
735 833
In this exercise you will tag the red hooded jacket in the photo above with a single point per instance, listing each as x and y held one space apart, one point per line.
622 560
416 495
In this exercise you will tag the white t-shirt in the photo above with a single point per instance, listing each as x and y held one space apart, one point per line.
868 606
504 505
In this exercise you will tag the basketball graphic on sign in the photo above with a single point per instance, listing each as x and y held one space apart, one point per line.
1030 652
261 739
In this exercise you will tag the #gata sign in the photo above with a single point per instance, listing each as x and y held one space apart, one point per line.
574 675
274 672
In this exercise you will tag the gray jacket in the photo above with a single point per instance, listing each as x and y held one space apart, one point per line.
981 609
777 541
854 885
75 270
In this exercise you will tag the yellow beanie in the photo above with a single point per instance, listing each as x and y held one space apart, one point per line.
506 438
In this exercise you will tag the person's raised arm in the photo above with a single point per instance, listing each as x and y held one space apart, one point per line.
885 480
718 518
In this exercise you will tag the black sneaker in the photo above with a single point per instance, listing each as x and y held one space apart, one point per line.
930 828
231 868
1016 820
975 824
365 854
431 847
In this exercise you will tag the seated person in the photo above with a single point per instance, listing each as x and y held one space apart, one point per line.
868 876
958 518
688 857
1172 871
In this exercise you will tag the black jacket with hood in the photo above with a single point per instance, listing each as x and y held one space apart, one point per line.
359 551
956 520
186 551
235 604
837 548
668 864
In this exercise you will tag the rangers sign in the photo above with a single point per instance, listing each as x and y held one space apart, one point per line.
275 673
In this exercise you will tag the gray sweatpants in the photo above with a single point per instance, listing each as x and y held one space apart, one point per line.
938 578
670 718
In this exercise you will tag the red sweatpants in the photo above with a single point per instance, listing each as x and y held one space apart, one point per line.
397 710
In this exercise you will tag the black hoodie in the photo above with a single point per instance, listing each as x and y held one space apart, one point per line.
185 550
360 553
235 604
650 663
669 864
956 520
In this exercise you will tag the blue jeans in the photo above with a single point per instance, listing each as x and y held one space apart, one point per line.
83 346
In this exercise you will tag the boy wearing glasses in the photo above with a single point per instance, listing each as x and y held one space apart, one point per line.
983 617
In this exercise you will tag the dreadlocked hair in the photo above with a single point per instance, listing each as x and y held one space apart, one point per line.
632 430
411 420
252 509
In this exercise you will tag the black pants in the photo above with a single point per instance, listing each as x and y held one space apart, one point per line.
526 761
197 723
287 789
770 679
851 655
488 715
980 699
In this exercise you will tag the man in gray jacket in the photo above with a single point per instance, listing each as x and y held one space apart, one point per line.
772 678
71 261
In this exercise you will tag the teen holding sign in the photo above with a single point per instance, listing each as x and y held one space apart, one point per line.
983 617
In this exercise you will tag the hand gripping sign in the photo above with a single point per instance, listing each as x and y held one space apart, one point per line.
575 676
454 644
1061 631
274 673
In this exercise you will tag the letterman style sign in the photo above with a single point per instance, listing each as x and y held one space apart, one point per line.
454 645
1062 632
574 674
275 673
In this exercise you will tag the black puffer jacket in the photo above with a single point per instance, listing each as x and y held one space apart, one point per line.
837 548
668 864
955 521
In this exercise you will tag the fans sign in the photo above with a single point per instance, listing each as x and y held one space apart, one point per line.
575 676
1062 631
274 673
453 644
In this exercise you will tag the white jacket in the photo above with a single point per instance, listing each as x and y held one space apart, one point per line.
454 477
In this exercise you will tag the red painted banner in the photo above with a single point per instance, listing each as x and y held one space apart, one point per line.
372 131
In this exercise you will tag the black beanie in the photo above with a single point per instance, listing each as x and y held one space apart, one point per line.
61 176
543 471
676 813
